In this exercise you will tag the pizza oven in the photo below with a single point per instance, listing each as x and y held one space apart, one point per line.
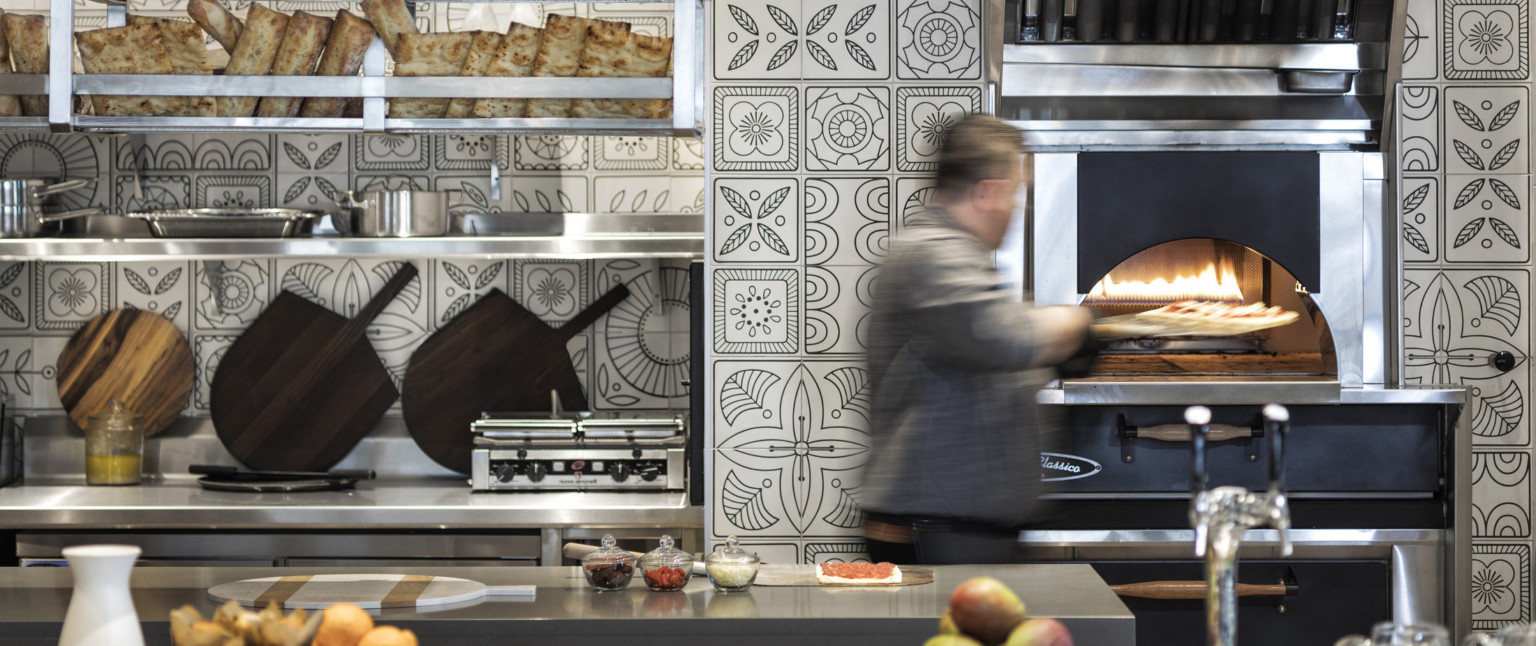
1124 232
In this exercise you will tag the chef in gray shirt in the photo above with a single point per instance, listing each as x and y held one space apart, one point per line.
955 363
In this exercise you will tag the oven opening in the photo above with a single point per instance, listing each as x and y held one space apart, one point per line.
1209 269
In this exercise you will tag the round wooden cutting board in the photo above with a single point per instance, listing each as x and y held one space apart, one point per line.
138 358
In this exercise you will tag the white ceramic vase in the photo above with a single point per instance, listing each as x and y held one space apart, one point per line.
101 610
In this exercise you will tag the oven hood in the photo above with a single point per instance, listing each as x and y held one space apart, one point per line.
1312 96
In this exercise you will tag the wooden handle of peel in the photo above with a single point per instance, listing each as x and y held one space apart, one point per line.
1190 590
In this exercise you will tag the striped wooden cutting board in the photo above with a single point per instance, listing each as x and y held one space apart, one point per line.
313 591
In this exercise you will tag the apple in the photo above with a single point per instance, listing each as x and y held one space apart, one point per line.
1040 632
986 609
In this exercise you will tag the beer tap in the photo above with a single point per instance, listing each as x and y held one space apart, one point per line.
1221 515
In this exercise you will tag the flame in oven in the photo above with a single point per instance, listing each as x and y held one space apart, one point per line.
1210 284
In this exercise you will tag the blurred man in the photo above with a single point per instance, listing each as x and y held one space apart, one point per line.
956 436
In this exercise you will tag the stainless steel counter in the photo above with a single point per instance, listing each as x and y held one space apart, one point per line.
1238 391
33 602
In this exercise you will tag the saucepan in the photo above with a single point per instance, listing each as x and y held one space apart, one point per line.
22 201
391 213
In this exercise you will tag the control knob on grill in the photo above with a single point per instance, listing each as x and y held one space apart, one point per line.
619 471
504 472
537 471
649 472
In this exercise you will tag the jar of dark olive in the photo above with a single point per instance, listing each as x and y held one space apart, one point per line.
609 568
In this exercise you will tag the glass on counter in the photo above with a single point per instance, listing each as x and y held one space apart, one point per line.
114 446
666 568
730 568
609 568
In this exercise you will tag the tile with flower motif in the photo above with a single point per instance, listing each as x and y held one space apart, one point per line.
846 39
1487 129
548 152
392 152
924 116
310 154
1501 494
164 288
309 192
847 220
757 39
1453 320
631 153
1487 218
554 290
1485 39
756 129
938 39
459 283
847 128
232 191
635 362
16 295
756 311
230 293
70 293
1420 141
345 285
756 220
1501 585
465 152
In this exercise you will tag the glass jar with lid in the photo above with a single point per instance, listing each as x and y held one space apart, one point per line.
730 568
114 446
666 568
608 567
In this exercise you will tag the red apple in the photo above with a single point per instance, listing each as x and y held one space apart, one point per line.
986 609
947 624
1040 632
951 640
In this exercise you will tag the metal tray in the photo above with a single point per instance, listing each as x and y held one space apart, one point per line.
228 223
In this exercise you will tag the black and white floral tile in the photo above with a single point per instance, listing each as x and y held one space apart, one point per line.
825 118
1465 200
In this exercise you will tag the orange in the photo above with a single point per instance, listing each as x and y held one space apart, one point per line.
388 636
343 625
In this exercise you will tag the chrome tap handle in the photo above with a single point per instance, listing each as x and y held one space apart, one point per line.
1199 420
1277 422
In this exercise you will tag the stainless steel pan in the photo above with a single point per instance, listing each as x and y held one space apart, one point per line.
22 206
391 213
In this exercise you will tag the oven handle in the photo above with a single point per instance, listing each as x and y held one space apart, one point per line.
1180 433
1196 590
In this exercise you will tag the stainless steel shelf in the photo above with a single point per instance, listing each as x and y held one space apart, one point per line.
128 249
1293 56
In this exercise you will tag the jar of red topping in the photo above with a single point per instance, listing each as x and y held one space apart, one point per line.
666 568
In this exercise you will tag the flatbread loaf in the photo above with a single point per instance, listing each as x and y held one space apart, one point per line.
27 36
391 20
184 45
622 54
514 58
134 49
428 55
253 56
481 51
350 38
560 55
302 42
10 106
217 21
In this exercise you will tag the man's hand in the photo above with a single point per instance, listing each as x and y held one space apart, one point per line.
1060 331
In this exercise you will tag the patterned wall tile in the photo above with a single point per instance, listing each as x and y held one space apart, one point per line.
756 39
924 116
846 40
1500 408
549 153
913 195
1501 495
938 39
793 438
762 217
1421 40
309 192
835 552
164 288
535 194
45 387
847 220
631 153
459 283
232 191
231 293
158 152
847 128
1501 584
393 181
310 154
16 287
60 157
837 303
233 152
555 290
17 372
391 152
1421 128
470 192
636 360
70 293
208 350
688 194
780 552
756 129
345 285
159 191
1487 128
465 152
1455 319
1421 219
1488 218
633 193
1485 39
688 154
756 311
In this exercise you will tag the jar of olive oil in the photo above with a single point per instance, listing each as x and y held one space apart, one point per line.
114 446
